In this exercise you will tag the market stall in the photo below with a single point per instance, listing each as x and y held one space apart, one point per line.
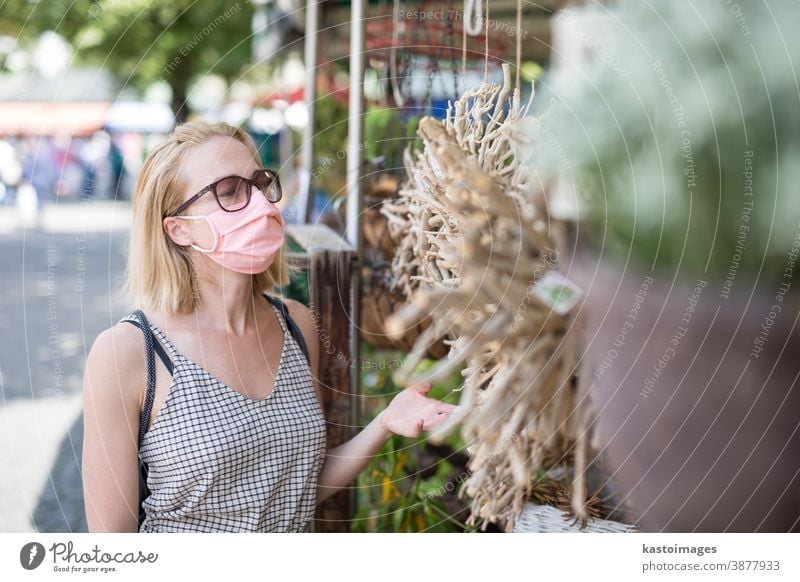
522 408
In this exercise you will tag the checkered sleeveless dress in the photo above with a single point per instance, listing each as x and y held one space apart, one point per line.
220 461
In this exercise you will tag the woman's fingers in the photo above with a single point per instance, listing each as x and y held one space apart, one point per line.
439 407
423 388
435 420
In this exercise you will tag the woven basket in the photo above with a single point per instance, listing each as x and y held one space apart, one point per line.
548 519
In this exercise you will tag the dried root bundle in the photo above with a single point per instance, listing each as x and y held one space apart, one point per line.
519 402
479 124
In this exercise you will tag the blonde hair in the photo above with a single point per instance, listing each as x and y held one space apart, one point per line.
160 273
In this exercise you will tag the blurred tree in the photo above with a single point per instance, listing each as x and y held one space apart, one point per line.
143 41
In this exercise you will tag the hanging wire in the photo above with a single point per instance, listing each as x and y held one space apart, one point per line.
451 46
393 73
486 47
519 41
433 71
464 43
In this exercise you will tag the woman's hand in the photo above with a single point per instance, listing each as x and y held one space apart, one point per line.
411 412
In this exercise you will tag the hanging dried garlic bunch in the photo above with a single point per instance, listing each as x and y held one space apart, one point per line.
479 262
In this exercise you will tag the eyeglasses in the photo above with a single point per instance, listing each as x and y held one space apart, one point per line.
233 193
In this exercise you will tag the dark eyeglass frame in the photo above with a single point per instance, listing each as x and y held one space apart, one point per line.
275 183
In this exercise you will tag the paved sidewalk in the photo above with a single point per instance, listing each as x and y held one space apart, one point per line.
40 452
94 216
62 285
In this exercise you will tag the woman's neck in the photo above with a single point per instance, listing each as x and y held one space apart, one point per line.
226 302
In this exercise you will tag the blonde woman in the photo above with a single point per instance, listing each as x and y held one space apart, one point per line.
228 420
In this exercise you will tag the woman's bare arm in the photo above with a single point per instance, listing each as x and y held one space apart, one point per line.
113 386
343 463
408 414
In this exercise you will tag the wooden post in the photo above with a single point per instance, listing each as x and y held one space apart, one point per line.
330 263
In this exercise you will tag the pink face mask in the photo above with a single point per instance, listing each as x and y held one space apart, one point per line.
247 240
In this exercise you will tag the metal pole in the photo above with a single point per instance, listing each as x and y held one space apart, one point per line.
355 155
306 202
355 125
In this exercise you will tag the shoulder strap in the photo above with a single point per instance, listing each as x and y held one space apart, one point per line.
291 324
151 345
162 353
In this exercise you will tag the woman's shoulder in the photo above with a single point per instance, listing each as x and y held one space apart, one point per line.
303 316
307 322
122 339
117 353
296 309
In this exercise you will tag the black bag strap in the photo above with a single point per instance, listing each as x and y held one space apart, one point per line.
160 351
144 490
294 329
150 344
151 347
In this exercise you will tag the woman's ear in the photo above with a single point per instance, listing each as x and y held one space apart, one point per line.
177 230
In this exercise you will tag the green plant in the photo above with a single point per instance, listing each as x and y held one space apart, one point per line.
386 134
684 153
143 42
398 492
330 143
298 286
